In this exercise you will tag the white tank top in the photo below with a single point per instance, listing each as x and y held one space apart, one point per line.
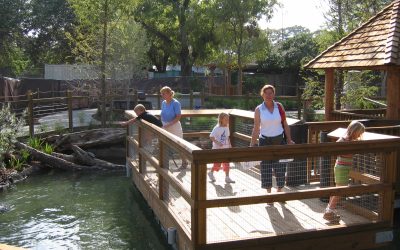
270 123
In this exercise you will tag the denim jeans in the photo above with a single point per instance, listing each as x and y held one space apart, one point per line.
267 166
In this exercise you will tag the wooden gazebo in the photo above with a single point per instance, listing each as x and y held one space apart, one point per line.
373 46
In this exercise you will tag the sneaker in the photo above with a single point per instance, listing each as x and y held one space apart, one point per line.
331 217
211 175
229 180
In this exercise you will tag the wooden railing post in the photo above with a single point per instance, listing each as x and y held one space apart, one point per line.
232 123
161 184
30 114
202 97
199 215
388 177
70 116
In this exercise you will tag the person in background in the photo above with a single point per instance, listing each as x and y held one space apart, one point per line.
220 139
271 128
171 115
142 113
343 164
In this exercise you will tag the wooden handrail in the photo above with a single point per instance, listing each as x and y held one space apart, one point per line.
298 195
292 151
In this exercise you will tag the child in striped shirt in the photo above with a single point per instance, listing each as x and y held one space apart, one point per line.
342 169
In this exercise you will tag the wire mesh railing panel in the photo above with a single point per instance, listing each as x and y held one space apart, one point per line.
197 124
254 177
133 150
178 206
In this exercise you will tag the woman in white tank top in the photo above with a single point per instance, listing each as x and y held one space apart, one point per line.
270 126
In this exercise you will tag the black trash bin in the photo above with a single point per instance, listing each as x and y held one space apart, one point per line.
296 171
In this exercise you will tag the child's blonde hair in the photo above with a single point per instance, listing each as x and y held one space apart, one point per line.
139 108
167 89
221 116
355 130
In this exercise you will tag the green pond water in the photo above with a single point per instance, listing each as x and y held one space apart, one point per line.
58 210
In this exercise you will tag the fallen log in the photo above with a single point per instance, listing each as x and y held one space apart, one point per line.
89 138
60 162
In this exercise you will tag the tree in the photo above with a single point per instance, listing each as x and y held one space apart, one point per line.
291 53
100 23
180 31
239 21
47 23
12 23
283 34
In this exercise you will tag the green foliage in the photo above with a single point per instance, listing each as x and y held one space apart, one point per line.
38 144
25 155
47 148
290 53
10 127
313 94
16 163
253 83
359 85
35 142
199 123
229 103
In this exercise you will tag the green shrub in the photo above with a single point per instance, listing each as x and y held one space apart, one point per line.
25 155
10 127
16 163
47 148
35 142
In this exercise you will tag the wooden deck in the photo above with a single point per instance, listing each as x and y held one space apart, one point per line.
236 216
251 221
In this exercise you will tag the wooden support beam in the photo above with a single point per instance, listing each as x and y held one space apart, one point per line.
393 94
199 194
329 93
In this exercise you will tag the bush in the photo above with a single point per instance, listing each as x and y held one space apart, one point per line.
10 127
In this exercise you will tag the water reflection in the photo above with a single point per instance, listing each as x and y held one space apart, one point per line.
78 211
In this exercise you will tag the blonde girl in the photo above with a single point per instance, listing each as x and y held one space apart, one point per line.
342 168
220 139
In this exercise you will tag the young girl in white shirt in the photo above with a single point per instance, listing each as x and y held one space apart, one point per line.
220 139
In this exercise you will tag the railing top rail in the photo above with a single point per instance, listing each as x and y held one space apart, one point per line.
295 150
212 112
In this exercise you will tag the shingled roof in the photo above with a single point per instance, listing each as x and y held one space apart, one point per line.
375 43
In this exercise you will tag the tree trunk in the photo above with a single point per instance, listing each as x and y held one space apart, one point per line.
186 67
103 66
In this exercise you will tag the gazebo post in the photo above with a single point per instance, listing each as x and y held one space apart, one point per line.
393 94
329 93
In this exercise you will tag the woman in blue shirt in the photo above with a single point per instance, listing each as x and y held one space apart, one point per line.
171 115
